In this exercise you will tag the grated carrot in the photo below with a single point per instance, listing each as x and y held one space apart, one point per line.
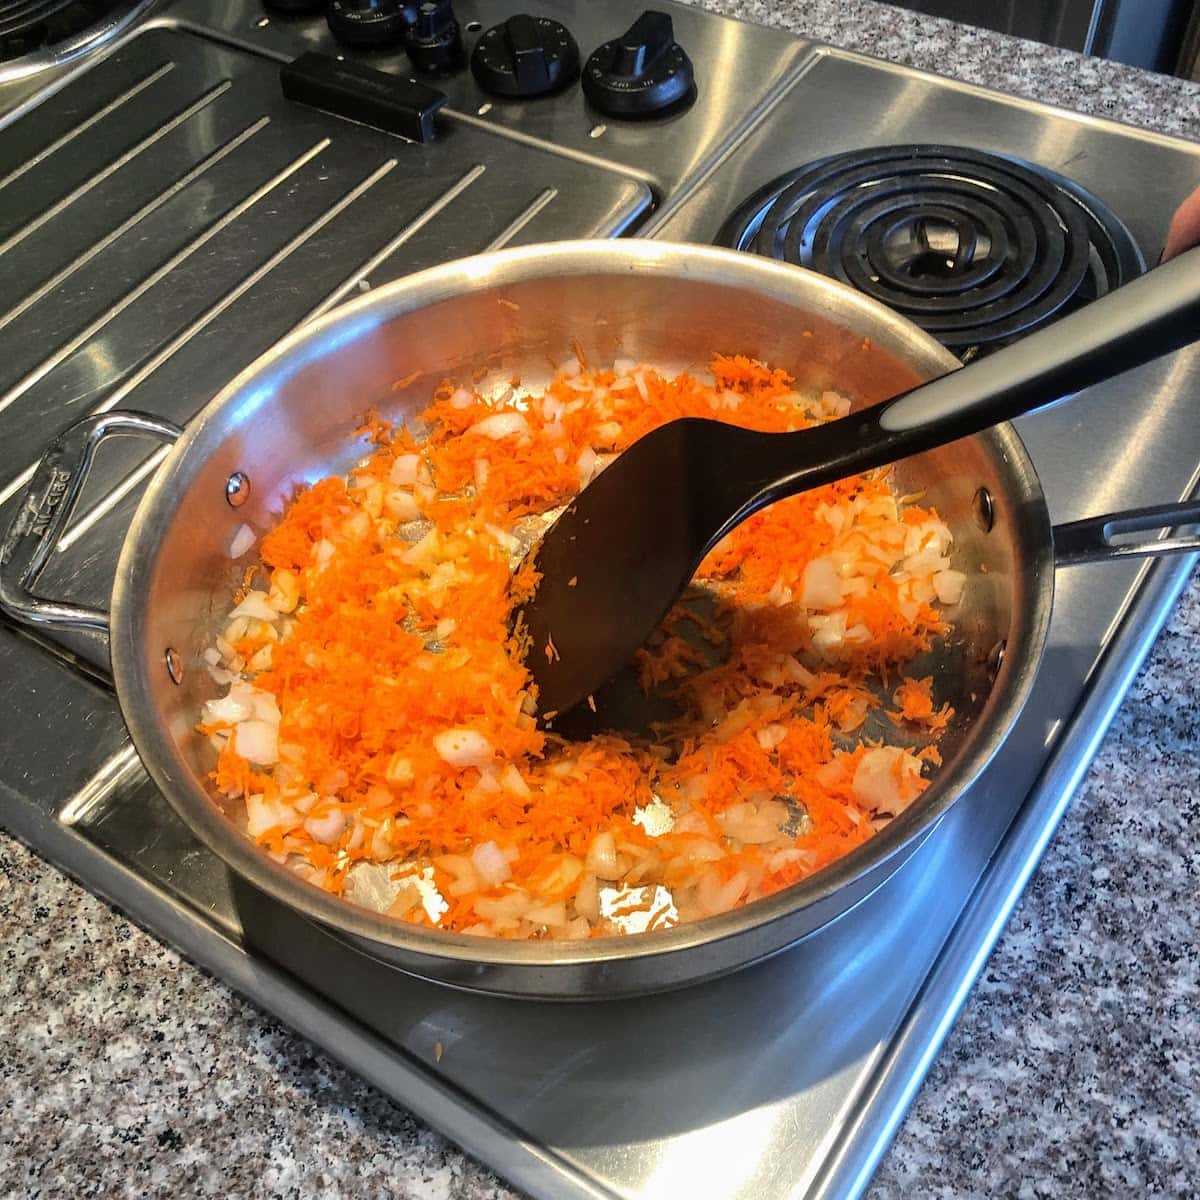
406 713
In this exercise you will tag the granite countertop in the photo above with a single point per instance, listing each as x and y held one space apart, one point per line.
1074 1069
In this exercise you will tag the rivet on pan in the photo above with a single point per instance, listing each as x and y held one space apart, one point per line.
174 665
484 108
237 489
597 131
474 26
262 22
995 659
984 509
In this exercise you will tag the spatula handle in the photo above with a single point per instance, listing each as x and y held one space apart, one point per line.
1143 320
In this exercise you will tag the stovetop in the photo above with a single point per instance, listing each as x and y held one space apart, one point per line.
165 215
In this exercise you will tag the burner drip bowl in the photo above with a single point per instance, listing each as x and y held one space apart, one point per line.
975 248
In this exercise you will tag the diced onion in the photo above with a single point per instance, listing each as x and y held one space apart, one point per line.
500 425
509 907
285 591
487 780
948 586
463 748
328 827
602 856
769 736
797 673
925 562
404 470
257 742
885 780
490 864
553 914
928 535
512 781
256 607
504 539
263 815
228 710
821 584
264 704
753 824
828 631
587 898
587 466
402 505
715 896
835 404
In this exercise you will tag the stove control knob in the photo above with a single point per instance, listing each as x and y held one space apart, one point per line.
368 23
526 56
640 73
434 41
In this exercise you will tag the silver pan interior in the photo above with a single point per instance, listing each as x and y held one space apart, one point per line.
289 420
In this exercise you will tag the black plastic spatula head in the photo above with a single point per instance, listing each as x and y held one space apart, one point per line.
614 561
618 557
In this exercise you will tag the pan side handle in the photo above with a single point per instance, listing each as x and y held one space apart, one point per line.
44 509
1091 540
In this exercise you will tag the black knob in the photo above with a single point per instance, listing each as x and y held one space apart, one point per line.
526 56
369 22
434 41
642 72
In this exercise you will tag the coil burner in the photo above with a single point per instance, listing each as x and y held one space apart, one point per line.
975 248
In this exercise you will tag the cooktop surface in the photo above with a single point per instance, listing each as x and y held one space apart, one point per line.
166 214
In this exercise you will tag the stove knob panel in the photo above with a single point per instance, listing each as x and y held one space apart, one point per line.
525 56
434 41
643 72
369 22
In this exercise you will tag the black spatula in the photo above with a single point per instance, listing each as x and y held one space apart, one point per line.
621 553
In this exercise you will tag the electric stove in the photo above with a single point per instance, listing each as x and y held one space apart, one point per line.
166 215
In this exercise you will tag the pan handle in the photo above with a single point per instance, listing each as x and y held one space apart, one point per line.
44 510
1090 540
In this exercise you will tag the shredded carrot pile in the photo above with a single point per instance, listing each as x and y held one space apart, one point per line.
379 721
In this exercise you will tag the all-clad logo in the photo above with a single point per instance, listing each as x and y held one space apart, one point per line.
35 515
39 518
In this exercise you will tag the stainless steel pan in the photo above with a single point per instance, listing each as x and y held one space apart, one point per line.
287 419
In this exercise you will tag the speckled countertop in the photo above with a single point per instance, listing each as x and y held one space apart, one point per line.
1074 1070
